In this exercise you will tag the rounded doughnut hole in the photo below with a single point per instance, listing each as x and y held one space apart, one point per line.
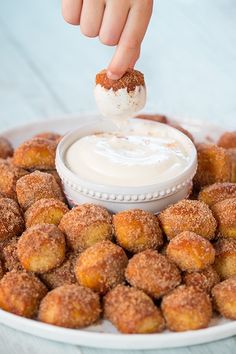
232 156
70 306
137 230
190 251
11 220
204 280
225 214
132 311
41 248
188 215
224 297
36 154
86 225
225 260
217 192
9 255
101 267
35 186
9 175
186 308
21 293
153 273
49 136
45 211
227 140
1 270
6 149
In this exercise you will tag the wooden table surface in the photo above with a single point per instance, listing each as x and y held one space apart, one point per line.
47 70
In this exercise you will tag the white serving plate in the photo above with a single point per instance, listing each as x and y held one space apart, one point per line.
104 335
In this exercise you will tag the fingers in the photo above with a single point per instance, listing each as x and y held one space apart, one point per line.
71 10
91 17
113 22
134 59
131 39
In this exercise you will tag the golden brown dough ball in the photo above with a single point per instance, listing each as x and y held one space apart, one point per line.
224 297
225 261
1 270
21 293
203 280
132 311
70 306
50 136
6 149
41 248
35 186
153 273
225 214
11 220
9 255
9 174
217 192
137 230
227 140
62 275
85 225
45 211
188 215
186 308
101 267
36 154
214 165
190 251
232 155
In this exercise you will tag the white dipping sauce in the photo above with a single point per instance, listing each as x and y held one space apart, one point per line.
140 157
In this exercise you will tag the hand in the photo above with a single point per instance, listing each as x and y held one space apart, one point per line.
116 22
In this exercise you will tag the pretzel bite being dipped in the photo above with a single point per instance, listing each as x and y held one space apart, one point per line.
186 308
62 275
137 230
101 267
132 311
21 293
227 140
225 260
9 174
120 98
36 154
45 211
188 215
153 273
41 248
35 186
70 306
224 297
50 136
225 214
11 220
203 280
214 165
6 149
217 192
85 225
190 251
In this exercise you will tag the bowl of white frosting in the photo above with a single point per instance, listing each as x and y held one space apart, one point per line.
143 164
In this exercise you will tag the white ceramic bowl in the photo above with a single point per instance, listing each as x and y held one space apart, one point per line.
153 198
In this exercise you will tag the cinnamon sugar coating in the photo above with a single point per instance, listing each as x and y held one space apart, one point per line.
1 270
9 255
137 230
70 306
45 211
225 214
224 297
37 185
37 153
225 260
21 293
101 267
153 273
203 280
132 311
232 155
11 220
217 192
130 80
190 251
188 215
227 140
86 225
186 308
6 149
50 136
41 248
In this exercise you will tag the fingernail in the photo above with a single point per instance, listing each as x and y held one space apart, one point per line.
112 76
